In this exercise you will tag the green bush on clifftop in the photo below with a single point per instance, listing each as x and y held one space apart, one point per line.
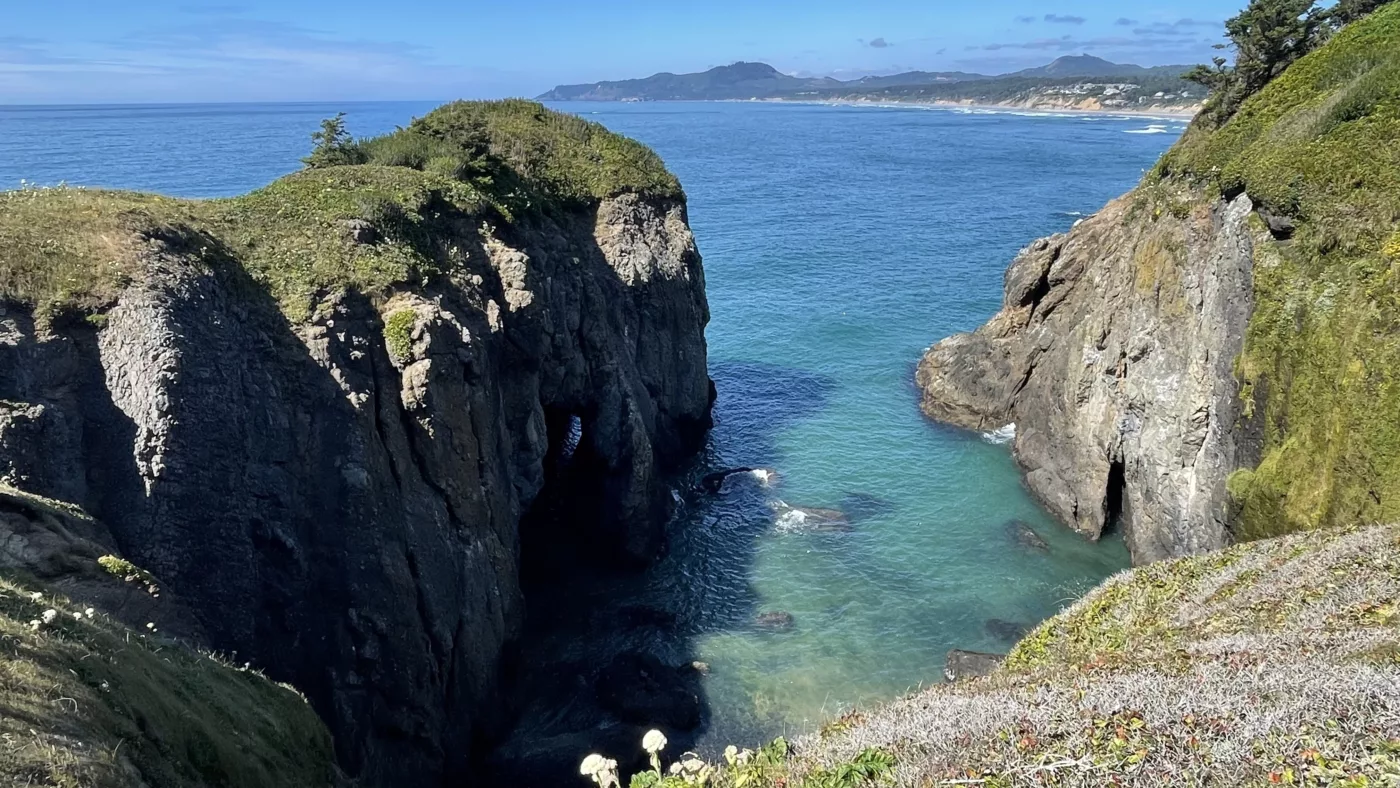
1320 145
69 252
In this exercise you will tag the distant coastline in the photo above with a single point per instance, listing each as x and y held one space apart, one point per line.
1184 113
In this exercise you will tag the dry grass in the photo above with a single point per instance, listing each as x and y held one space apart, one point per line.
1272 662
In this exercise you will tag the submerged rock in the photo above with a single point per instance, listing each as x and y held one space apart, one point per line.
805 519
970 664
1025 536
774 621
858 506
1010 631
640 689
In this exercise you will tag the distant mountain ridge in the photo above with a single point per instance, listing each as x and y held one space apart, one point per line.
737 80
759 80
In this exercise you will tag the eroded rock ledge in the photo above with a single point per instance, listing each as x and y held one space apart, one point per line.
338 500
1113 355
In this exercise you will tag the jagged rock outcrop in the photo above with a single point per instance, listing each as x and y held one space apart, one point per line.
339 500
1112 355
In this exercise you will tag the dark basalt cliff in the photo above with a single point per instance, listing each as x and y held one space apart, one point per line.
338 496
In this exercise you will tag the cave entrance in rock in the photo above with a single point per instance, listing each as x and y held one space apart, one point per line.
1115 499
557 528
565 432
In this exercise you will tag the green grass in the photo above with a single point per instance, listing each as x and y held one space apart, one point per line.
1320 144
562 156
70 252
86 702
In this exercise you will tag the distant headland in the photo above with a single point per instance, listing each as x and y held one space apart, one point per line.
1075 82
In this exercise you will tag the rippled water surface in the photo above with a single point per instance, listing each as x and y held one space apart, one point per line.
839 242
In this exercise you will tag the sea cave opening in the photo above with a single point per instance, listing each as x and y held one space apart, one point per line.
1115 499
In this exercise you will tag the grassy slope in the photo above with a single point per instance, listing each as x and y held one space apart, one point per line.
85 701
72 250
1274 661
1320 144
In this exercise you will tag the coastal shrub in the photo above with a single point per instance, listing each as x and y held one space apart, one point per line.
560 155
398 334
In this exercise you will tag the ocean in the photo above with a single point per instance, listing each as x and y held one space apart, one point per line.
839 243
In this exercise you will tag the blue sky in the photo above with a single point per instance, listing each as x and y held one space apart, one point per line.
79 51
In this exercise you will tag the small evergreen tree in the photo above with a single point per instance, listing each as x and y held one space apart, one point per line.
1347 11
334 145
1268 36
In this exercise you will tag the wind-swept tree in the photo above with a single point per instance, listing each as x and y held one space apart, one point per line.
1267 37
334 145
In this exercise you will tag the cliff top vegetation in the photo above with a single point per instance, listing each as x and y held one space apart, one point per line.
1318 150
86 701
364 214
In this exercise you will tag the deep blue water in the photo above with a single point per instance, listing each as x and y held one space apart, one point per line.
839 242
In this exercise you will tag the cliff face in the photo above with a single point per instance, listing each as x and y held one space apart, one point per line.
338 498
1112 354
1212 356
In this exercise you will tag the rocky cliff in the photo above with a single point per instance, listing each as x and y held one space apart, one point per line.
1211 356
320 412
1112 354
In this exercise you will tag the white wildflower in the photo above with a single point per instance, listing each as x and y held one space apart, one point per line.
90 613
591 765
654 742
49 616
36 596
602 771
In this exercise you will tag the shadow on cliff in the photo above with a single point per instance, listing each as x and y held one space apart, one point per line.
610 652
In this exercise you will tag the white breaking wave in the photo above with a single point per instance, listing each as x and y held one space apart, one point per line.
764 476
1155 128
1002 435
788 519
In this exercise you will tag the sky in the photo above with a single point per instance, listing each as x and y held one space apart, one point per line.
98 51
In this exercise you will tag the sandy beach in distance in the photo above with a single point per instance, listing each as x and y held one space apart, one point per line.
1165 113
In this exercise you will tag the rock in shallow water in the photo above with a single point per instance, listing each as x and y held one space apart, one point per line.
1011 631
970 664
805 519
642 690
1026 536
774 621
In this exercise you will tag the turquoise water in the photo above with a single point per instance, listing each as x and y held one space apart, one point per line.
838 243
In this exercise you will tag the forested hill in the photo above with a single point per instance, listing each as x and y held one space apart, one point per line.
741 81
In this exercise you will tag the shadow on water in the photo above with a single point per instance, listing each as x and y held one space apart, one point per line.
609 653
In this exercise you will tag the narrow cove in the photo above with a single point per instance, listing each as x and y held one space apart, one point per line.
882 228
